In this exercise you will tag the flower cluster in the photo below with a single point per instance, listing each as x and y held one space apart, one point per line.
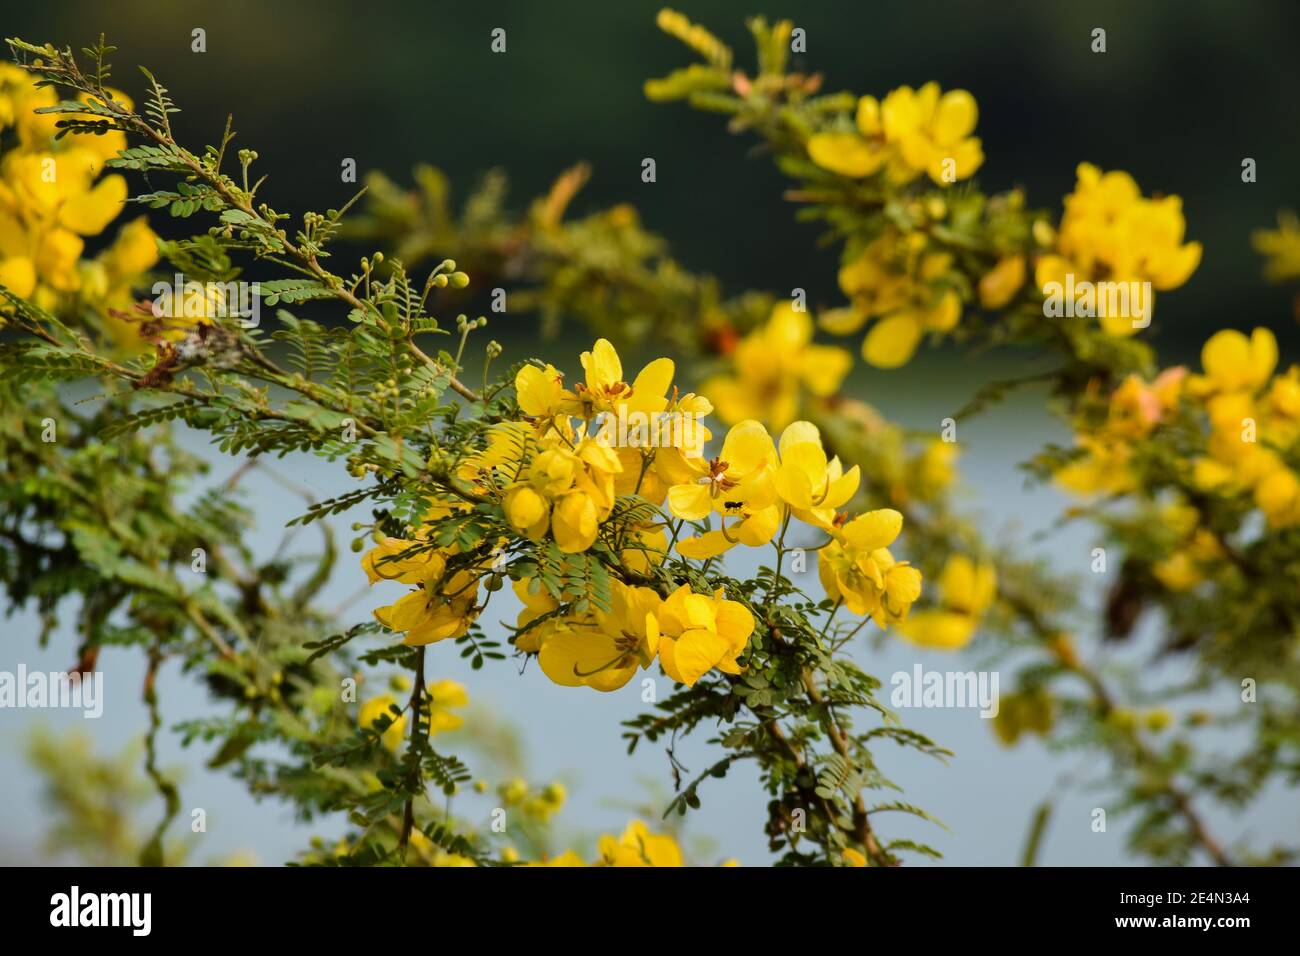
772 367
1222 440
908 133
53 196
1111 232
557 473
903 286
1254 421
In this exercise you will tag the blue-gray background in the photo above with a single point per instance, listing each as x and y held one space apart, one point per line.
1185 91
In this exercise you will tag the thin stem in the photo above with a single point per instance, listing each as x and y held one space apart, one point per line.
416 706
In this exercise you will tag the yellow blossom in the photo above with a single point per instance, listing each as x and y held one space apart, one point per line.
811 485
698 632
442 605
604 652
772 365
1232 363
908 133
540 391
537 602
966 589
904 291
444 696
933 130
737 485
856 567
639 847
604 389
378 707
1111 232
1000 284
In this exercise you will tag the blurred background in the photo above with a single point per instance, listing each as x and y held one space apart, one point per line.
1185 92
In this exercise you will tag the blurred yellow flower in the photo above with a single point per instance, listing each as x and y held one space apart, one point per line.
444 696
1111 232
908 133
772 366
966 589
382 706
904 290
637 846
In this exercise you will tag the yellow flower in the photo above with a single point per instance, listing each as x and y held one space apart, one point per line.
540 391
1110 232
1233 363
605 390
575 522
698 632
1136 408
393 560
737 484
855 154
857 568
1000 284
639 847
854 857
909 133
930 472
1278 497
378 707
772 365
537 603
1102 469
1178 572
604 652
933 131
135 250
904 290
442 605
1281 247
566 490
812 486
966 589
645 546
50 197
444 695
